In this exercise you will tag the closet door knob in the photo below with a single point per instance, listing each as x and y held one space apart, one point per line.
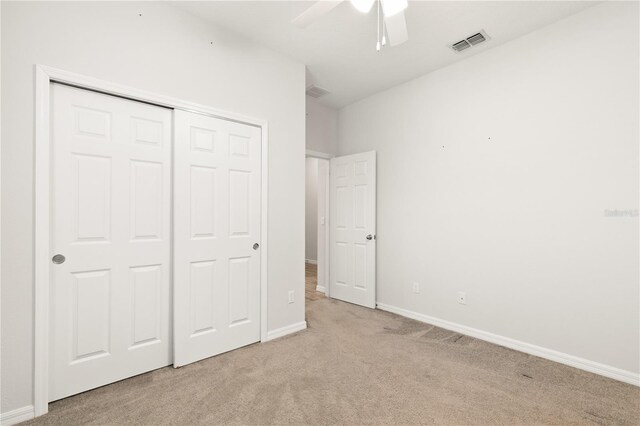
256 246
58 259
369 237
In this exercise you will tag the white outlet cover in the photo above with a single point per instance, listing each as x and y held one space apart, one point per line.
416 287
291 296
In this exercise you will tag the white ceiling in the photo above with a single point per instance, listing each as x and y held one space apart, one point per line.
339 48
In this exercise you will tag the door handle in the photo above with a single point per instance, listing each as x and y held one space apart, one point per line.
58 259
256 246
371 237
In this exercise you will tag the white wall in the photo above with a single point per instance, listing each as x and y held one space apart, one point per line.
321 127
323 213
494 175
311 210
164 51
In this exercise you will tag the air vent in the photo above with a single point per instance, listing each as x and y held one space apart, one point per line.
461 45
476 39
470 41
316 92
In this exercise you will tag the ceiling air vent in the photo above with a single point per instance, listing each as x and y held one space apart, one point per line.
470 41
315 91
476 39
461 45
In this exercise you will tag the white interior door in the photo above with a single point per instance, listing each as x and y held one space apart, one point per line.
110 306
353 229
216 236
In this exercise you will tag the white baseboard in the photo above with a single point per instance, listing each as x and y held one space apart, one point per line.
321 289
311 261
283 331
16 416
550 354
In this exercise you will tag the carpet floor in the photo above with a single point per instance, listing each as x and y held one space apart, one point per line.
358 366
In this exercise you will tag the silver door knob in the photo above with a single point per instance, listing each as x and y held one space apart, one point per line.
256 246
370 237
58 259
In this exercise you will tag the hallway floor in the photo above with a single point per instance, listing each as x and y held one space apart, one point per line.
358 366
311 282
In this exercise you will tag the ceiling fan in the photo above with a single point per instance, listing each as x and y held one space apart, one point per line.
393 24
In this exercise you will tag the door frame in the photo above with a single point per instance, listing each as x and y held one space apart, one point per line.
327 157
44 76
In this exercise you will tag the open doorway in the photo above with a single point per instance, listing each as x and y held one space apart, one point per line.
316 226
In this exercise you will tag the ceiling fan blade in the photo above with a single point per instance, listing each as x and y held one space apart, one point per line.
318 9
396 29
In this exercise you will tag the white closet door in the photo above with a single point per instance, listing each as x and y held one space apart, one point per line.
216 236
353 229
110 306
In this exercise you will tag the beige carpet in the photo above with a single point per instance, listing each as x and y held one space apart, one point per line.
359 366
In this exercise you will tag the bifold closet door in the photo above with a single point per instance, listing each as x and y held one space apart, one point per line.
110 240
217 215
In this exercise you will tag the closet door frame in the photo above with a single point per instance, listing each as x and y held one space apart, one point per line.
44 76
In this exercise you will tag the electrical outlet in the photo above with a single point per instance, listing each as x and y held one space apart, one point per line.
416 287
291 296
462 298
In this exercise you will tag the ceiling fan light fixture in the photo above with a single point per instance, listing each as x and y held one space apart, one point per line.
393 7
363 6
